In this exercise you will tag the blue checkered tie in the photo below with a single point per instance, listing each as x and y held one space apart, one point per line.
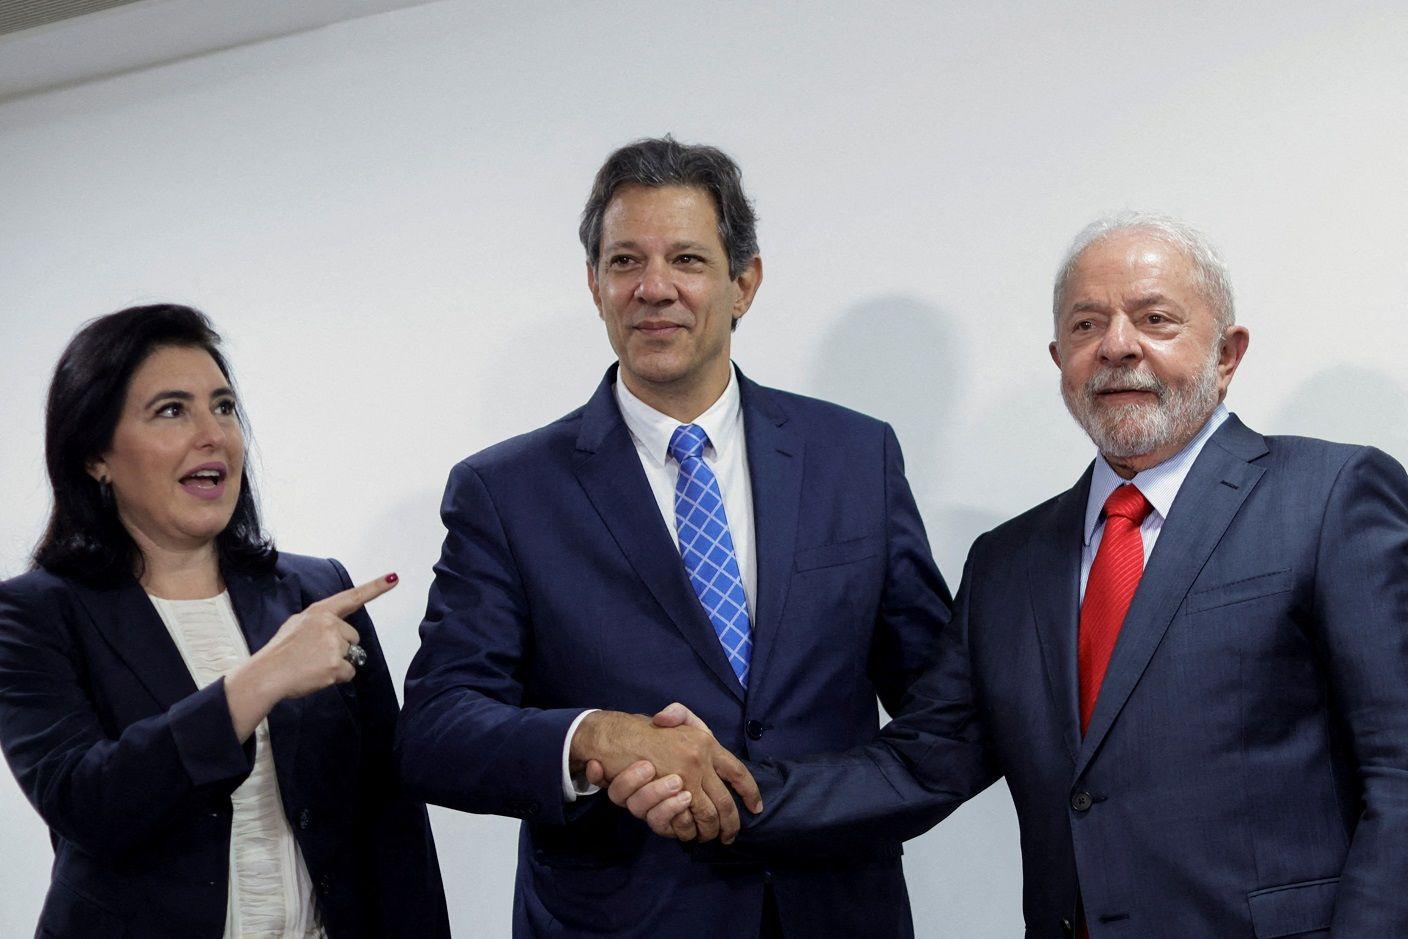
707 548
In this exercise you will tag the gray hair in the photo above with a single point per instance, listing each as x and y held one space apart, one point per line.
664 161
1209 271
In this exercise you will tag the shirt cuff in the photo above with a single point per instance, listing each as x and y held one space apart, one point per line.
574 786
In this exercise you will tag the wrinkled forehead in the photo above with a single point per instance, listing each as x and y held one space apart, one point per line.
640 215
1131 265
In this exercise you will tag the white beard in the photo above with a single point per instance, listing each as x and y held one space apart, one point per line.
1131 430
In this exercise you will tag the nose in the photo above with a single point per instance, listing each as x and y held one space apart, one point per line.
1120 343
657 284
211 432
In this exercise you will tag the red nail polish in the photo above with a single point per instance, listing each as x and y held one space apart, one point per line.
391 578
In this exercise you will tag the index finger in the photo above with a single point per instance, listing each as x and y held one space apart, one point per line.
353 599
732 771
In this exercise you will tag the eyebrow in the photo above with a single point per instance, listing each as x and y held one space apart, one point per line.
1149 299
1138 303
694 246
223 391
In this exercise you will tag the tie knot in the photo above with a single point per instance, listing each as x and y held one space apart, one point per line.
1128 502
688 440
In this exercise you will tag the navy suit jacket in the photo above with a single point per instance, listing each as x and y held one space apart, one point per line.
560 588
1245 772
132 767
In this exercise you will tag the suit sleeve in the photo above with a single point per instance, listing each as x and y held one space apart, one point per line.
410 900
925 762
465 739
106 794
1361 612
915 603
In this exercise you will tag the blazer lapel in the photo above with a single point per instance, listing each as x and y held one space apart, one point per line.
262 603
775 461
131 625
1053 577
609 471
1219 482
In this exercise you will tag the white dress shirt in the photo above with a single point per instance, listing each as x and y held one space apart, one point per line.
270 892
1159 484
727 455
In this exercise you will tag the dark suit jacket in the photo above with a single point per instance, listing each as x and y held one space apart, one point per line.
132 767
561 588
1245 773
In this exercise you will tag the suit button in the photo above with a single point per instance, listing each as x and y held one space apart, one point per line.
1081 801
754 730
305 818
325 884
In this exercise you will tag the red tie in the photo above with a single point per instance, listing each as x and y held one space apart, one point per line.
1108 591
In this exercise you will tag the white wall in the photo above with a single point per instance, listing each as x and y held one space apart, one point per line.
381 217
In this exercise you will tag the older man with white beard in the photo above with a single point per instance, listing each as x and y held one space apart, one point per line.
1191 667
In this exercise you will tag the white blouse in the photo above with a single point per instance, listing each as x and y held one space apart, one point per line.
271 894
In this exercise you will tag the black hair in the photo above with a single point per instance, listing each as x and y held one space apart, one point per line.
85 539
664 161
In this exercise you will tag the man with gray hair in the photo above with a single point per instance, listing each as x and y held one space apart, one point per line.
687 533
1191 667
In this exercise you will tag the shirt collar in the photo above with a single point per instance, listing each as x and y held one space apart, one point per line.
1159 484
653 430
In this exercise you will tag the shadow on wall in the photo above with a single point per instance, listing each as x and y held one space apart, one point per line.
895 358
1351 404
899 358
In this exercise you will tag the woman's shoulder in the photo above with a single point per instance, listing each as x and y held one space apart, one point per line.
35 602
319 576
36 586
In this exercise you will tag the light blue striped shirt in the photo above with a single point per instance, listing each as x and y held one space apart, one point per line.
1160 485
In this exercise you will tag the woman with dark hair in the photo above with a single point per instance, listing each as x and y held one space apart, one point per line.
204 723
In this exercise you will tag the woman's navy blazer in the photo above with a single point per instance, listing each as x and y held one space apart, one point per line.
132 767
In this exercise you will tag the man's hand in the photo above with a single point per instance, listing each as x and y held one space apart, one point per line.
660 803
632 749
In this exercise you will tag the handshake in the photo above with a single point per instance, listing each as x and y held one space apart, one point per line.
668 771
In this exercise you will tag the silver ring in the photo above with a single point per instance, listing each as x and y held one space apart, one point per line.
356 655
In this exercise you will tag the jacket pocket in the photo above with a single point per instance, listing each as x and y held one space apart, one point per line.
840 552
1239 591
1292 909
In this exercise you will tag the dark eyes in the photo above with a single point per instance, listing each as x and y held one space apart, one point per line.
225 407
1153 319
626 260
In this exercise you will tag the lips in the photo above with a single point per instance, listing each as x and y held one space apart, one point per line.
1108 392
206 481
658 327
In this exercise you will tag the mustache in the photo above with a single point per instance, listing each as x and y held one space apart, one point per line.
1110 379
